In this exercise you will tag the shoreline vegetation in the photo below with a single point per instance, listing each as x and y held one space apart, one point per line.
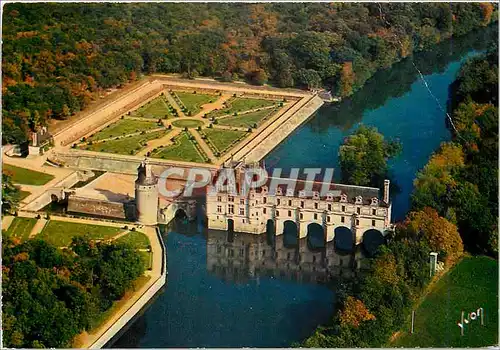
454 212
58 58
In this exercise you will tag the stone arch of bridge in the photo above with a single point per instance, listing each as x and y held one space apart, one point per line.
372 239
290 233
316 236
344 240
271 232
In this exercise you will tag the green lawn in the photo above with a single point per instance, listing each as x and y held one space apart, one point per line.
23 194
127 145
193 102
60 233
221 139
241 104
21 228
123 127
136 239
146 257
25 176
470 285
183 150
187 123
157 108
247 120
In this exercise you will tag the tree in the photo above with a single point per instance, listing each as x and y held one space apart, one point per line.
363 157
10 195
442 235
354 313
309 78
346 81
435 183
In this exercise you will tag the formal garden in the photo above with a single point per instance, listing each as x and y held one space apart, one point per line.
227 121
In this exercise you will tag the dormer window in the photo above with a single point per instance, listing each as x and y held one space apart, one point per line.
289 192
279 192
264 189
359 200
315 195
374 201
302 193
329 196
343 198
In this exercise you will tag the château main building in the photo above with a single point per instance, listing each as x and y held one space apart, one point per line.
344 210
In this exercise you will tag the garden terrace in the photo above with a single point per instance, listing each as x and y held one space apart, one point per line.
248 120
159 108
131 144
221 140
184 148
191 103
243 104
123 127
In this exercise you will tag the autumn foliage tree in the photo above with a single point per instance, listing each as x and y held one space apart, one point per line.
441 234
354 313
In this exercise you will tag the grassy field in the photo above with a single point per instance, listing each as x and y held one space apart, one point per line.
193 102
183 150
23 194
146 256
136 239
221 139
240 104
187 123
126 145
25 176
247 120
470 285
60 233
124 127
157 108
21 228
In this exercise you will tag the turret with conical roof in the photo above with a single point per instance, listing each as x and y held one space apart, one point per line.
146 195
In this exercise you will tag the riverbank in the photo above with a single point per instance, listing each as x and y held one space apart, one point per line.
145 287
468 286
128 308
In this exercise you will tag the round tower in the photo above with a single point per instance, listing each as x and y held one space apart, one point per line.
146 195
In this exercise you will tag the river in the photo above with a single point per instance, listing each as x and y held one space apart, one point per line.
211 301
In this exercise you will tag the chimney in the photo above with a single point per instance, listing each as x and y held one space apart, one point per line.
386 190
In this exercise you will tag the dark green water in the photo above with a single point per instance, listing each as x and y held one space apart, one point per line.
230 305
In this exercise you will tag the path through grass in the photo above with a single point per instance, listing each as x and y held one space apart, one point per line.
193 102
183 149
124 127
126 145
156 109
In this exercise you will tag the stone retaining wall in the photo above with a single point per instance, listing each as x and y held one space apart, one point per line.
280 129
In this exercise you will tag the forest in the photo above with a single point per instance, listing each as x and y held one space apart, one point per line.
57 58
50 295
454 212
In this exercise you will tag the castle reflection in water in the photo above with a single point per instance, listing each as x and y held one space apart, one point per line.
239 256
